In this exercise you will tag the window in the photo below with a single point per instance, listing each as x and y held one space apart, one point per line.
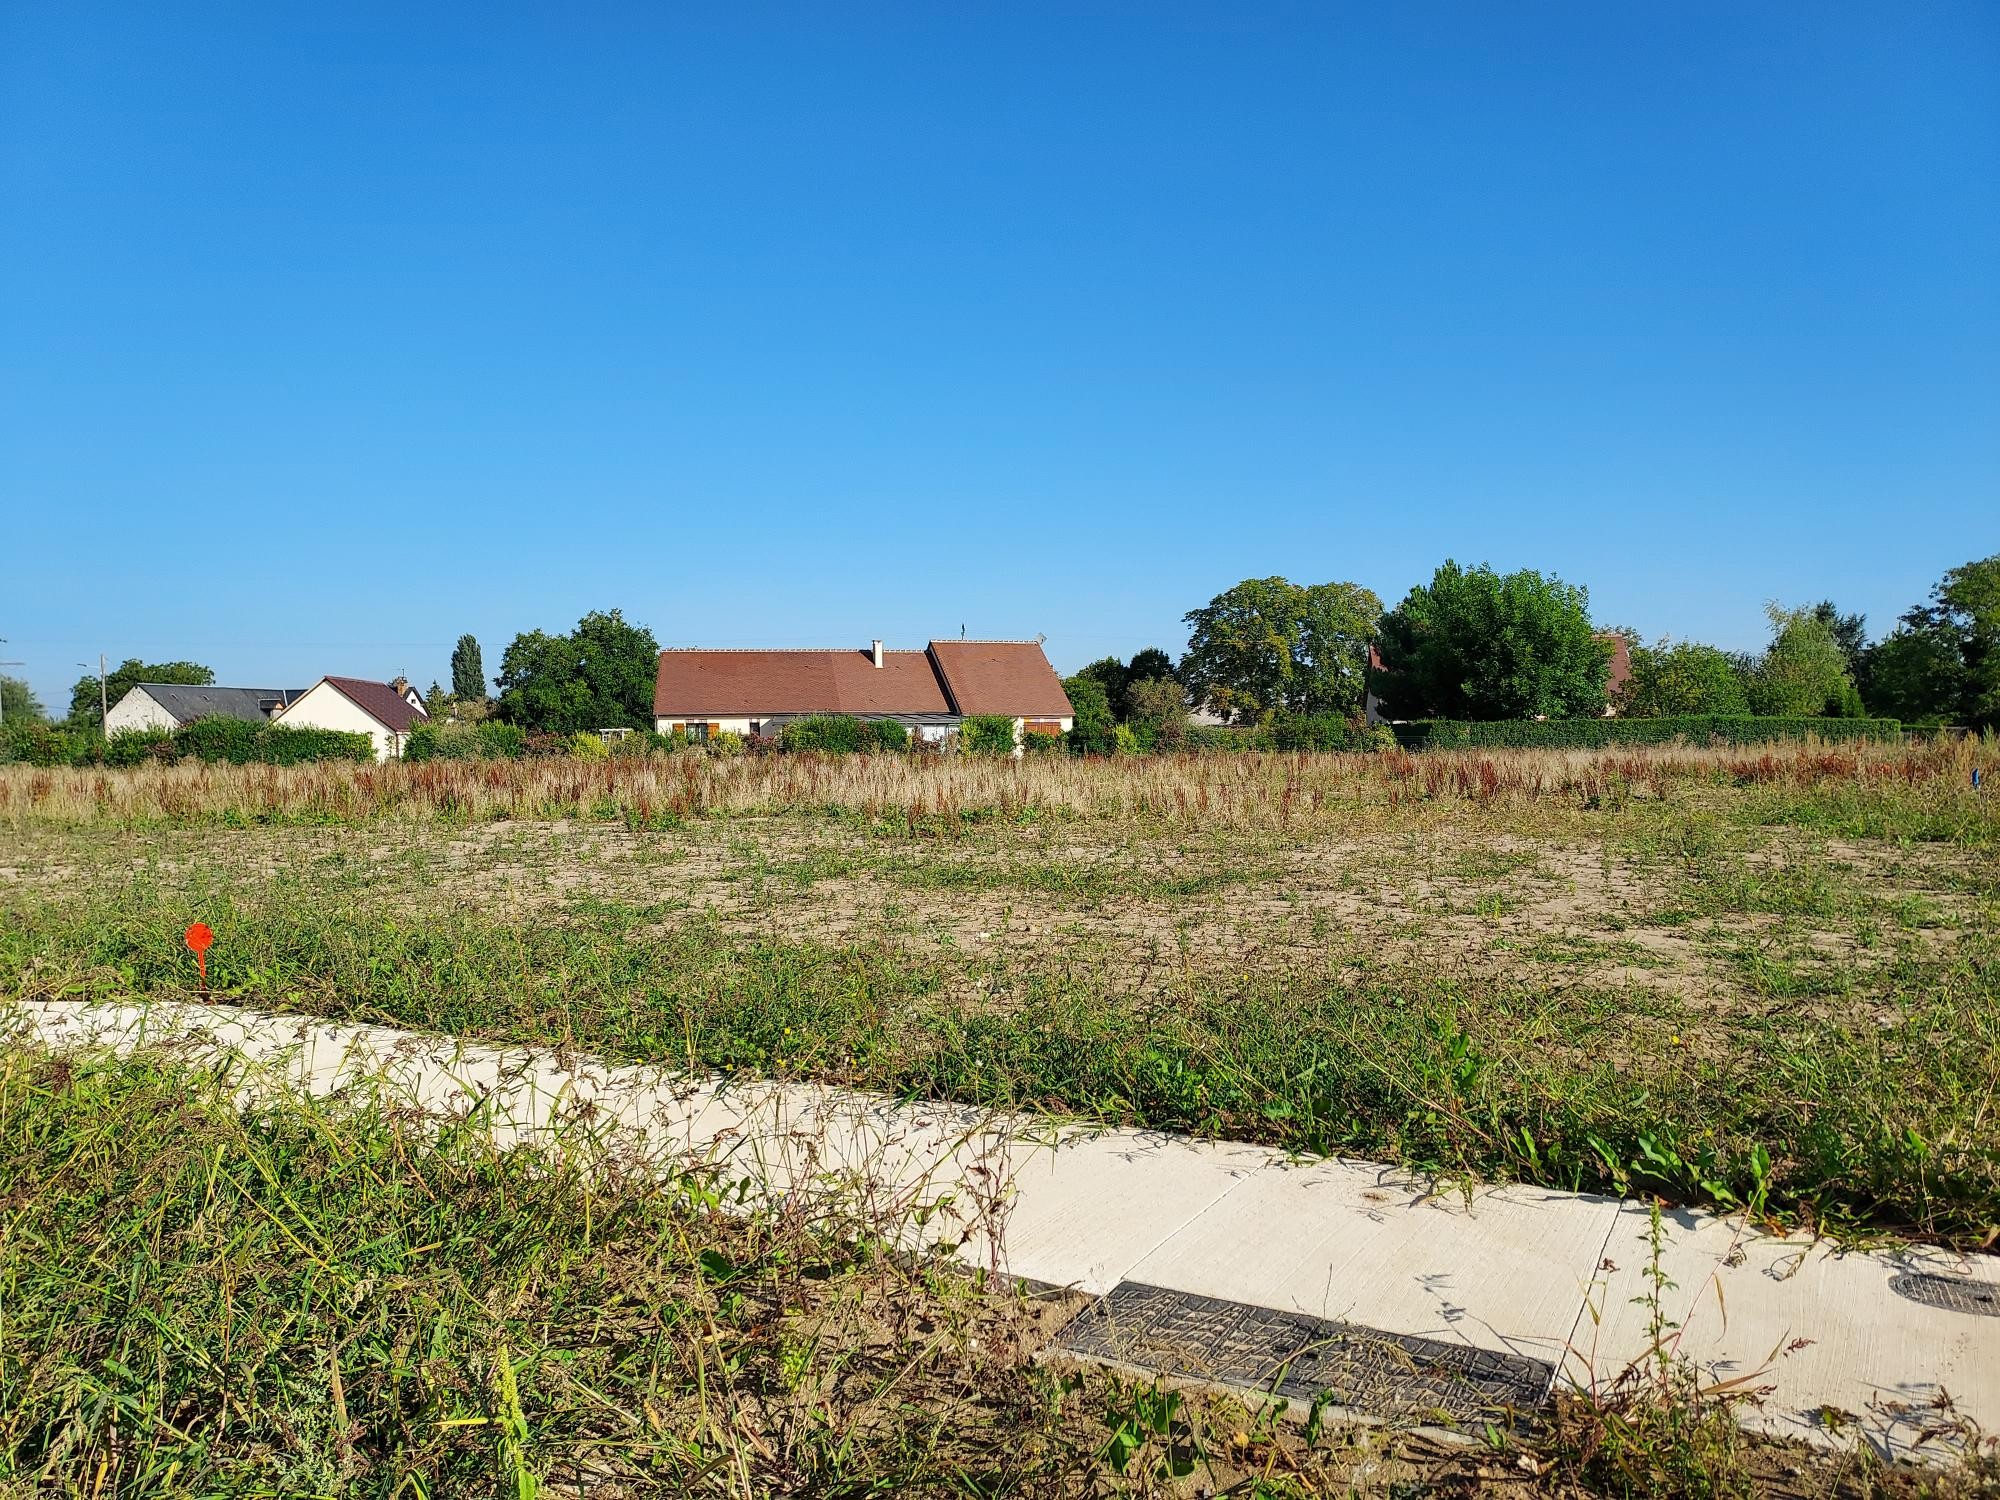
697 732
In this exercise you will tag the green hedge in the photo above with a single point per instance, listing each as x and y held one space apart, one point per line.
1572 734
491 740
240 742
986 734
842 734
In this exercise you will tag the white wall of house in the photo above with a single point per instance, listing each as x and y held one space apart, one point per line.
325 707
670 722
137 710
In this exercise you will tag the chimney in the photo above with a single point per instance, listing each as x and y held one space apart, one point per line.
877 646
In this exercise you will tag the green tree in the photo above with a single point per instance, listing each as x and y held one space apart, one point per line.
18 703
1269 645
1917 674
1111 674
1093 730
468 672
1850 633
1159 704
1942 662
1152 663
1803 672
599 676
1683 677
1475 644
83 699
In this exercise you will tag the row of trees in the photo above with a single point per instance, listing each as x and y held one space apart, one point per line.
1469 644
1476 644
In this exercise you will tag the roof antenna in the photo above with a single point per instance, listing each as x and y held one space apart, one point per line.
961 632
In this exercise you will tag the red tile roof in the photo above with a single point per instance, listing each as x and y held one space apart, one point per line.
379 701
740 683
951 677
1001 677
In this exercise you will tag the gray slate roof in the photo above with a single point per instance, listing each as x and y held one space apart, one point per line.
187 704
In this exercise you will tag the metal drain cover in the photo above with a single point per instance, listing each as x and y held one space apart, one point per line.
1392 1375
1952 1293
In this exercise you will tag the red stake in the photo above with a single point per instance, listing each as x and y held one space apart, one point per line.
199 940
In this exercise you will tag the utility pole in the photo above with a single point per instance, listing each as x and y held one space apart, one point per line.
103 703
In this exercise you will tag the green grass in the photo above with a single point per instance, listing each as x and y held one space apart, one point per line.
313 1299
1871 1116
310 1300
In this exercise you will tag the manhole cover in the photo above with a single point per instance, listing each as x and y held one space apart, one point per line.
1392 1375
1952 1293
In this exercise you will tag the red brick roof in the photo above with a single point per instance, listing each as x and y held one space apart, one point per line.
379 701
951 677
740 683
1001 677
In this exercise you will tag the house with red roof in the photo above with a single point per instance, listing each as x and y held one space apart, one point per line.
701 692
384 711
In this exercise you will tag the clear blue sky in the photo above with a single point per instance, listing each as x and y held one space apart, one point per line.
327 333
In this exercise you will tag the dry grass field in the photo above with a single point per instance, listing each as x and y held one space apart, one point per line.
1766 981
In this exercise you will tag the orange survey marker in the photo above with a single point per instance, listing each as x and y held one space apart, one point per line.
199 940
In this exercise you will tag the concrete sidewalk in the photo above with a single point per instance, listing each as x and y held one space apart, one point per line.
1233 1262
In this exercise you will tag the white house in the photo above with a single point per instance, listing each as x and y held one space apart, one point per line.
704 692
169 705
384 711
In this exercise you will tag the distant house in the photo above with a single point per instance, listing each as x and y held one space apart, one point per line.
384 711
702 692
169 705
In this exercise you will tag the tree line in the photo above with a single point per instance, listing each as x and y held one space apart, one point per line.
1475 644
1471 644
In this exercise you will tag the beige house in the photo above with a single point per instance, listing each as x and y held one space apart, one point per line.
384 711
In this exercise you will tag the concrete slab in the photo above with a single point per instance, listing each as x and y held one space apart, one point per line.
1085 1211
1838 1354
1364 1244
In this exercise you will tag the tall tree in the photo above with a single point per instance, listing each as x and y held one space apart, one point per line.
1850 633
1268 645
468 672
1803 672
1475 644
1111 674
18 703
599 676
1092 728
1943 661
1150 663
1683 677
83 699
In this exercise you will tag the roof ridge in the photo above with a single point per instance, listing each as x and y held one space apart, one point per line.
987 640
793 650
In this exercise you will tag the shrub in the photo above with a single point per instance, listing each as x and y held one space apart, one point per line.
987 734
1696 729
727 742
1321 732
889 735
42 744
1038 743
837 734
288 745
220 739
1091 725
131 747
585 745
